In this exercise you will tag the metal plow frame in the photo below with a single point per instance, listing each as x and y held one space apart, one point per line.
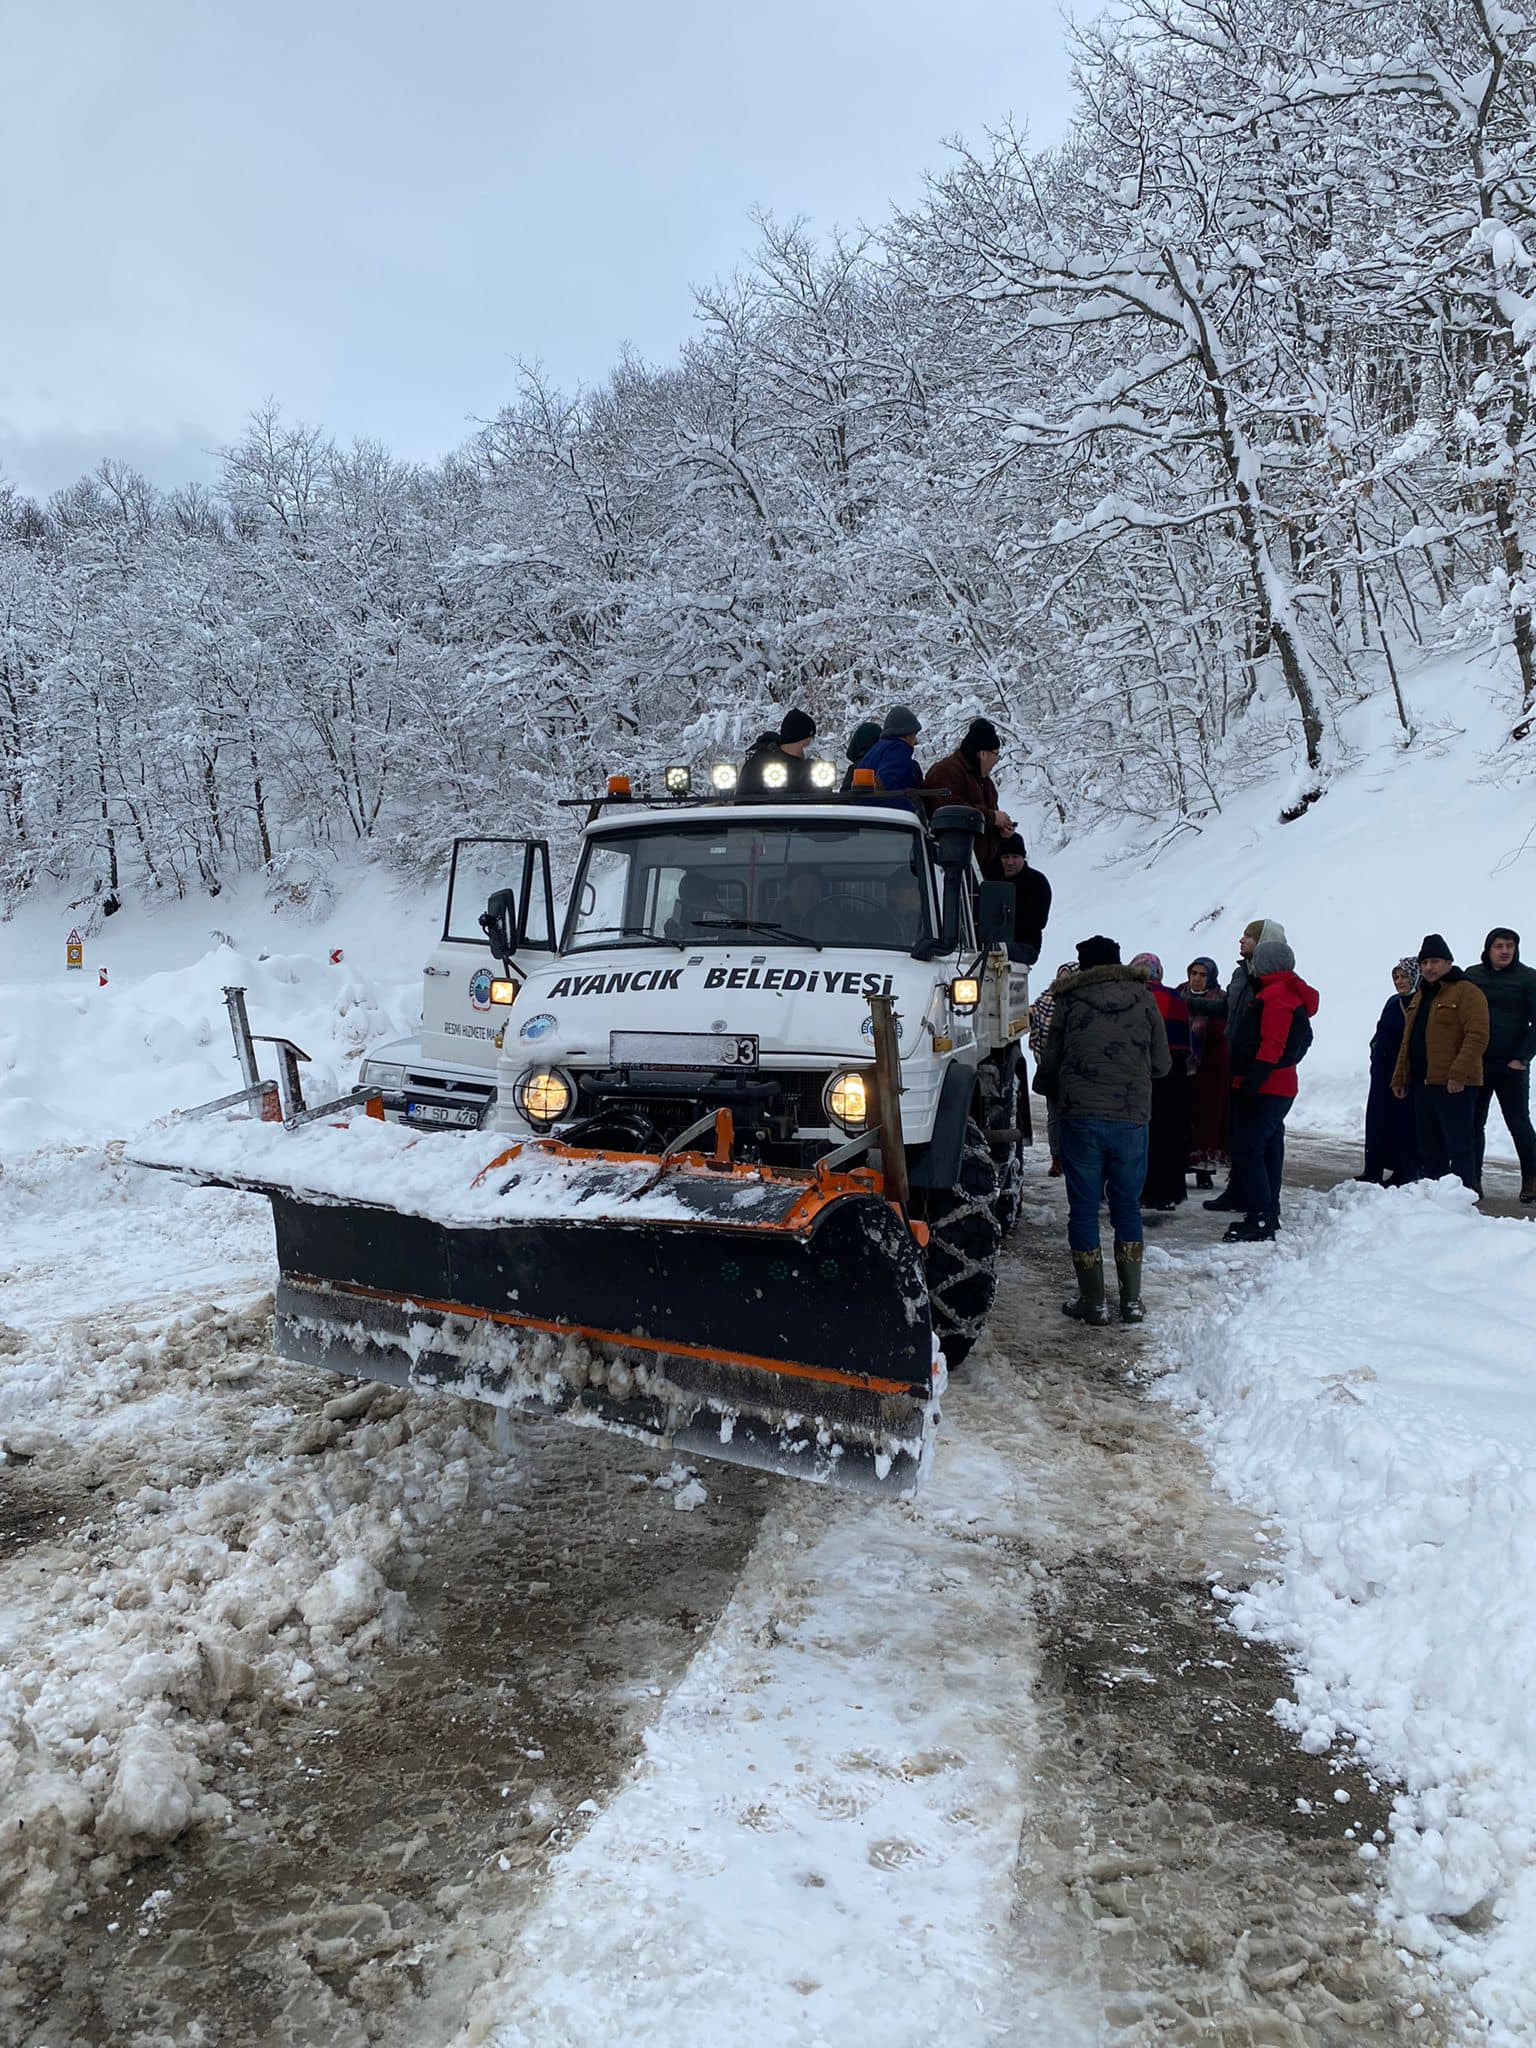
722 1338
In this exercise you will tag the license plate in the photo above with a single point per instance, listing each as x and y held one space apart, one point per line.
690 1049
441 1113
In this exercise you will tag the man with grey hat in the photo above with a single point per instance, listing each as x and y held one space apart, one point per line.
892 759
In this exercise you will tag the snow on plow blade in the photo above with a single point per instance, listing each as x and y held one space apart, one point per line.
770 1319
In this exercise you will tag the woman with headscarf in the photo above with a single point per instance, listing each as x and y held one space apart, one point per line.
1168 1138
1391 1144
1040 1011
1210 1087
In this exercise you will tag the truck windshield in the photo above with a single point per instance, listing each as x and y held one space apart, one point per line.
709 884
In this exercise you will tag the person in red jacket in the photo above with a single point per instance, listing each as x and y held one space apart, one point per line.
1270 1038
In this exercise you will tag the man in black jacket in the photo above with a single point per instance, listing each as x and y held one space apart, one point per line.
1031 900
1510 987
782 749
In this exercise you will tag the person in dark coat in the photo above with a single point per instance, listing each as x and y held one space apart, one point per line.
965 777
1391 1146
1168 1137
860 740
1510 989
1440 1064
1210 1081
1031 900
785 748
1105 1048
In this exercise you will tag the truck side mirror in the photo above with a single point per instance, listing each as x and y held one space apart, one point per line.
499 923
994 913
956 829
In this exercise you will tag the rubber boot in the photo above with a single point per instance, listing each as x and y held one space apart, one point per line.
1088 1307
1528 1191
1128 1273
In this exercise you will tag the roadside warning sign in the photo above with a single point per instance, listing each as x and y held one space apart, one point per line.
74 951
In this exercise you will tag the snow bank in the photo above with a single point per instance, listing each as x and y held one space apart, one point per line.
251 1554
80 1063
1370 1383
1403 843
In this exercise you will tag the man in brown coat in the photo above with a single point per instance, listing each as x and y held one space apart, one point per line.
1440 1062
965 777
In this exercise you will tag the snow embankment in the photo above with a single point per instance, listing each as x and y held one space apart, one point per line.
1408 840
81 1063
1370 1384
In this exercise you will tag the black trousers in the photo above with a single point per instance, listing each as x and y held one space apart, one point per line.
1257 1140
1514 1098
1447 1130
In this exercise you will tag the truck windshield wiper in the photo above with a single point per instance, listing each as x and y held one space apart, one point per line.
756 924
624 931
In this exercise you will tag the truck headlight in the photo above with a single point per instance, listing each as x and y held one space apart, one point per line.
723 777
381 1074
775 775
823 774
543 1094
503 991
846 1100
965 992
679 780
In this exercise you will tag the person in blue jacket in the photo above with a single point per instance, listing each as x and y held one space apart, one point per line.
892 757
1391 1143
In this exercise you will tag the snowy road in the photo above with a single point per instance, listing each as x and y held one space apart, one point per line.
354 1728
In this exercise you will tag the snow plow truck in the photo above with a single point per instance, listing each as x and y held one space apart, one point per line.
755 1138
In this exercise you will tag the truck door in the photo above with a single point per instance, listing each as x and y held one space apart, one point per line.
460 1019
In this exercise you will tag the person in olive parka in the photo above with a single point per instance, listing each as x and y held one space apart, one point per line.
1105 1047
1509 987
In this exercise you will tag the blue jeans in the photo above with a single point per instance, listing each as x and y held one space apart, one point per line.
1096 1151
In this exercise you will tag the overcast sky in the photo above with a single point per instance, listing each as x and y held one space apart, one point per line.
371 209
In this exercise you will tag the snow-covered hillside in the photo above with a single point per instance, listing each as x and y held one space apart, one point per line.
1407 841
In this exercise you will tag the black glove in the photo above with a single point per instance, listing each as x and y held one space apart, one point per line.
1256 1076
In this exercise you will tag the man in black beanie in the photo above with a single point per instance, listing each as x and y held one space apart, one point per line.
1105 1047
965 777
1509 987
1440 1064
782 749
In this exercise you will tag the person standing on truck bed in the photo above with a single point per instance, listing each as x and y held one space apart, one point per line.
787 747
965 777
860 740
891 759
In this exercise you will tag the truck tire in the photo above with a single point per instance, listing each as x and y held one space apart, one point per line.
963 1241
1007 1108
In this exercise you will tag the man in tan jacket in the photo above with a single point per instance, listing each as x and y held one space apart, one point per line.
1440 1062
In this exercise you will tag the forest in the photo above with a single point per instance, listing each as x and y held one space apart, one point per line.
1168 448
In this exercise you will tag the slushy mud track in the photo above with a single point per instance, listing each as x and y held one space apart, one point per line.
1184 1873
1195 1870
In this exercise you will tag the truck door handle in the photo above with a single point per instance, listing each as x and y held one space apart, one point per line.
439 970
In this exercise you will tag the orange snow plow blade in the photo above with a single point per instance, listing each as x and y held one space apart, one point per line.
764 1316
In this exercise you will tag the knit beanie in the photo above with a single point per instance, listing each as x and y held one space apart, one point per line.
980 738
1272 956
1098 952
1014 843
796 725
1435 948
901 723
862 738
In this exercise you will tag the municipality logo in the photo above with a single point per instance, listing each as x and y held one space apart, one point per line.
538 1027
480 988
